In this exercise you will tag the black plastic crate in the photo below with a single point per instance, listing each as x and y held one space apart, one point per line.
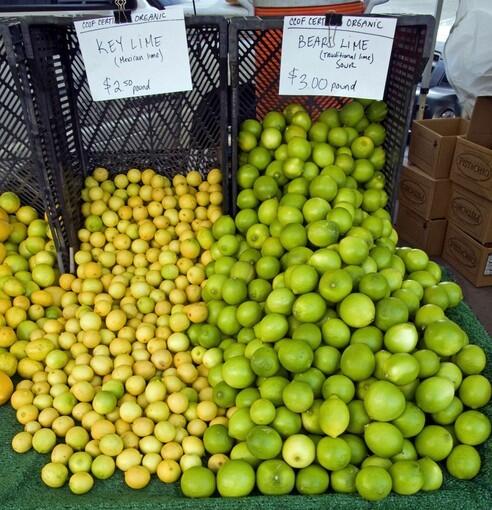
18 172
60 5
171 133
255 47
22 167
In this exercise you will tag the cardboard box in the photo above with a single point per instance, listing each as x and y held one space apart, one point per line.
472 163
471 213
420 232
426 196
432 144
472 259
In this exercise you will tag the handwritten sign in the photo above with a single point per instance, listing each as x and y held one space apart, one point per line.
148 55
350 60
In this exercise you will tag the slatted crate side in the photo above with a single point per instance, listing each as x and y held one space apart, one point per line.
17 169
406 66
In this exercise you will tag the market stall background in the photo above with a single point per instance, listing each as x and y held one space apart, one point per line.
23 490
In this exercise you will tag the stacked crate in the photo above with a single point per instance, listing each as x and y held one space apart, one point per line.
468 242
425 185
445 192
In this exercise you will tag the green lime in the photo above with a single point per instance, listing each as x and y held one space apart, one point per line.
312 479
334 416
335 285
401 338
471 359
237 372
351 113
343 480
302 278
401 368
297 396
318 132
262 412
358 417
295 355
264 442
429 362
330 117
224 395
339 385
407 477
271 388
383 439
272 327
248 313
475 391
434 394
333 453
472 428
434 442
444 337
448 415
357 310
247 175
370 335
258 290
463 462
197 482
275 477
373 483
411 421
280 301
377 111
353 250
310 333
325 260
217 440
235 478
309 307
432 474
384 401
253 126
357 362
323 186
292 236
326 359
335 333
389 312
286 422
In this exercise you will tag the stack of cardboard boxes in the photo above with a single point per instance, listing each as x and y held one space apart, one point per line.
425 187
468 242
445 195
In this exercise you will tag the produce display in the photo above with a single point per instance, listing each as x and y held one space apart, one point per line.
109 377
293 347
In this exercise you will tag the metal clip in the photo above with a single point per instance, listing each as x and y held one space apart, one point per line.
333 19
122 15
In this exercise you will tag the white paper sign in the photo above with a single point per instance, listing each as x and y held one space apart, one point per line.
350 60
148 55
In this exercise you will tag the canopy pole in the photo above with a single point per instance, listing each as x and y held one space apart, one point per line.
426 77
